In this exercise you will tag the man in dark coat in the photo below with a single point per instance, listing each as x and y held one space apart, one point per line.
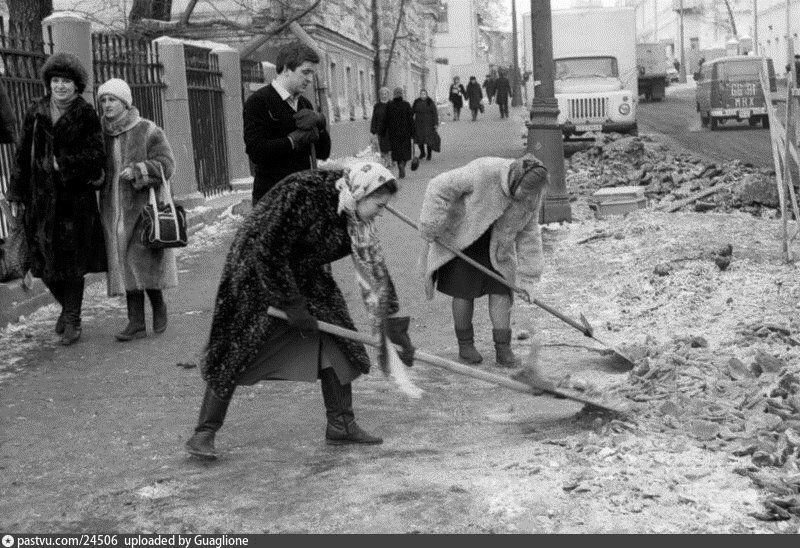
281 129
503 90
474 96
400 129
456 97
426 119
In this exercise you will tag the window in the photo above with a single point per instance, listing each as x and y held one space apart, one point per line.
441 24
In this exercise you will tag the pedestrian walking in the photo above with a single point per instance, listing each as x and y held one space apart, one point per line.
488 209
489 85
503 91
281 129
457 96
139 158
59 166
8 124
400 130
474 96
426 120
377 126
277 258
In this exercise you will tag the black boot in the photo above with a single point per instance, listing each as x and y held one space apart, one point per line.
73 301
159 310
212 415
136 328
342 427
502 345
466 346
428 156
57 290
401 167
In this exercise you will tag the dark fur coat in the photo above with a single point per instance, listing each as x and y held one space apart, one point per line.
400 128
426 118
62 220
278 254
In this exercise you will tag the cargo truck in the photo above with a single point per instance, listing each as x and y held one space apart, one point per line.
594 53
652 64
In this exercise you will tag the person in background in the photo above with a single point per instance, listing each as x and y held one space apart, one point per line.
489 86
139 155
281 129
426 120
377 126
277 258
400 130
474 96
456 97
58 169
489 210
503 91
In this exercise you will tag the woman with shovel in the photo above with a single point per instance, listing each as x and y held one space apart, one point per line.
278 259
489 210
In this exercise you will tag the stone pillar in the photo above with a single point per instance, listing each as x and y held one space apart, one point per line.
177 123
231 68
72 34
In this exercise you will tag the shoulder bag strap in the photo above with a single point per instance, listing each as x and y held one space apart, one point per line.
154 205
168 190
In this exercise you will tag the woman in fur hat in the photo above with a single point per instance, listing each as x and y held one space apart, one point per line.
488 209
138 157
59 166
278 257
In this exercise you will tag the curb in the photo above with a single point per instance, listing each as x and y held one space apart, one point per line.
16 301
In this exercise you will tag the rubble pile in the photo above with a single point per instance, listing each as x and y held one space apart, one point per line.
668 176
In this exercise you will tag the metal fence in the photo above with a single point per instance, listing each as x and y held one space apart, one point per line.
252 73
21 60
136 61
206 111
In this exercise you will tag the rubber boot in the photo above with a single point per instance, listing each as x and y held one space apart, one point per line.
136 328
502 347
159 310
57 290
342 428
466 346
73 301
212 416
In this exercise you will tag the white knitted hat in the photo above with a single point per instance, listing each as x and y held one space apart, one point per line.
118 88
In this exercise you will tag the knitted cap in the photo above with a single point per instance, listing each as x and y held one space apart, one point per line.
118 88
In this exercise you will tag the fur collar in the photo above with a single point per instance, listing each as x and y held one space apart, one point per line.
121 124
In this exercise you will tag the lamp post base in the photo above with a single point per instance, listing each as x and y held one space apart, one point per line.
545 141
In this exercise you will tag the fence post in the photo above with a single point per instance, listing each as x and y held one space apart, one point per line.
177 125
73 34
231 69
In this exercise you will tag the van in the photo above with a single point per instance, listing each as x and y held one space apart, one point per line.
729 88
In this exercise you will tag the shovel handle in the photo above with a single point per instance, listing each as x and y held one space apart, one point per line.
524 294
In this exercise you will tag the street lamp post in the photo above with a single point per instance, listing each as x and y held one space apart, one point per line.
544 133
682 76
516 100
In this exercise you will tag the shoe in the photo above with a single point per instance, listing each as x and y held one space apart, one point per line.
414 164
504 356
428 157
136 328
159 310
201 444
401 167
466 346
60 324
346 433
212 416
342 428
71 333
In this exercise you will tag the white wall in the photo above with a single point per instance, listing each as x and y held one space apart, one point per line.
458 43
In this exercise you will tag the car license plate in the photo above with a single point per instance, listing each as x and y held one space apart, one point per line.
589 127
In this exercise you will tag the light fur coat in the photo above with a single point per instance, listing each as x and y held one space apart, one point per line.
140 144
461 204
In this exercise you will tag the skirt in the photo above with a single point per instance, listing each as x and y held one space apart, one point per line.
289 356
458 278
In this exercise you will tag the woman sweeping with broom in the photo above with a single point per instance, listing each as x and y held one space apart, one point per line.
277 258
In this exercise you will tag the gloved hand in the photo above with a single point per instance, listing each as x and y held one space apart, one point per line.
397 331
302 137
308 119
299 317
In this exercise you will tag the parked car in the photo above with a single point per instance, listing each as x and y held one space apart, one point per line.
729 88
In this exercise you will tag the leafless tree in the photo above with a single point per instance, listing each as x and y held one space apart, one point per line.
730 18
29 14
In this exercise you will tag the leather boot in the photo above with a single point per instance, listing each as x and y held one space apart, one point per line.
159 310
342 428
502 347
136 328
73 301
212 415
57 290
401 168
466 346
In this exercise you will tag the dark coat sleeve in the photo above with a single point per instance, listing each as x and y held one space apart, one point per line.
261 143
323 146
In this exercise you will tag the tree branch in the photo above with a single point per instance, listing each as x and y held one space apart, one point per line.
256 43
187 13
394 41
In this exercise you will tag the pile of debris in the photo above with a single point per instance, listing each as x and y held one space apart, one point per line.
668 176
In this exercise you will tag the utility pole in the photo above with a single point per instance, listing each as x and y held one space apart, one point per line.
682 75
655 20
755 27
544 133
516 99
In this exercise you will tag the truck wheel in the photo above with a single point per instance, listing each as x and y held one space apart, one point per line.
714 123
765 122
753 121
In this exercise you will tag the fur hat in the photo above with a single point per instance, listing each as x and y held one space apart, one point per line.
118 88
66 65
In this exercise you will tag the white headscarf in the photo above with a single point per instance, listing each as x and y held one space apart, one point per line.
360 180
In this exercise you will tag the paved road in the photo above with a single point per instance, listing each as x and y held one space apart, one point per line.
676 117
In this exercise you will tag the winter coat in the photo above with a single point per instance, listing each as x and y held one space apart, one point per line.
62 221
268 121
278 255
503 90
426 118
377 126
400 128
461 204
490 85
474 94
141 145
8 124
457 94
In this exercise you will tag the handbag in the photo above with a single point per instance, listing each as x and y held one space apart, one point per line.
436 146
163 223
14 254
